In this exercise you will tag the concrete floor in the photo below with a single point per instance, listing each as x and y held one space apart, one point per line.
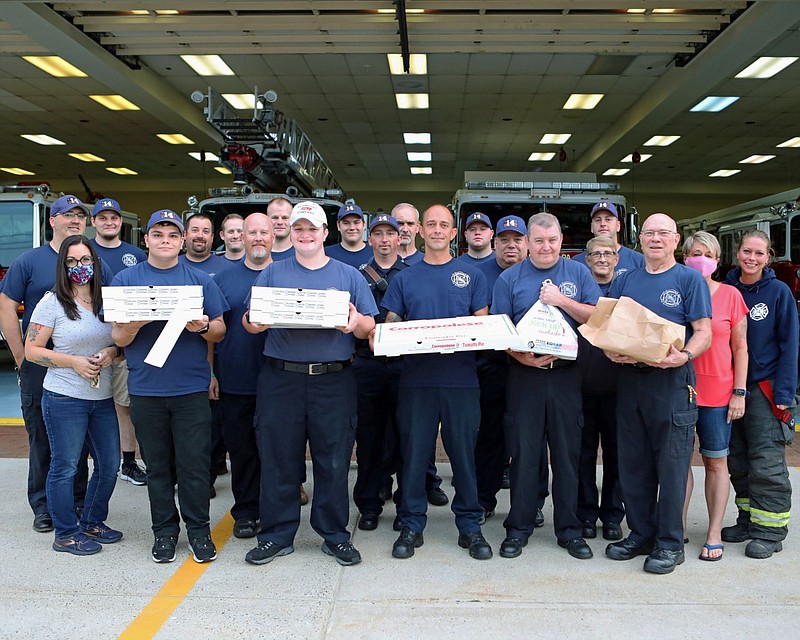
440 593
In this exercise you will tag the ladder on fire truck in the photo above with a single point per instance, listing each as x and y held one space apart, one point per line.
268 150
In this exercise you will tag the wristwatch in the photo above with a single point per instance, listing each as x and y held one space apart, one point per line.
689 355
204 329
740 392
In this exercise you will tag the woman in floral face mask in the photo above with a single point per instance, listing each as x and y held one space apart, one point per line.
77 402
721 377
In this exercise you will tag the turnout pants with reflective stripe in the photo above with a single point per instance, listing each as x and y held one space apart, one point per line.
656 415
757 465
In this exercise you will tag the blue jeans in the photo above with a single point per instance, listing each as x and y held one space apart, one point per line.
71 423
713 431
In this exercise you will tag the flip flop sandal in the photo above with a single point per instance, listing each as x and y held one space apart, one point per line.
711 547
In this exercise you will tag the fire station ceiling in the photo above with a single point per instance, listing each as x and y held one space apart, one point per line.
497 76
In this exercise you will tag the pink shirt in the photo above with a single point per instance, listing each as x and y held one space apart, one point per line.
714 367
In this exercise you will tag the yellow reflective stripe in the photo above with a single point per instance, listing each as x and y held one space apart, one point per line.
743 504
769 518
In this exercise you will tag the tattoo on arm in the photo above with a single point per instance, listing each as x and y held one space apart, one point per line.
33 331
45 361
391 316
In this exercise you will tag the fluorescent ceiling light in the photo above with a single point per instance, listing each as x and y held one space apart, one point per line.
636 10
242 101
122 171
115 102
765 67
175 138
41 138
724 173
208 65
756 159
615 172
55 66
417 138
167 12
541 157
661 141
140 12
644 157
210 157
583 100
663 10
555 138
794 143
223 170
417 64
714 103
411 100
17 171
421 170
393 11
87 157
424 156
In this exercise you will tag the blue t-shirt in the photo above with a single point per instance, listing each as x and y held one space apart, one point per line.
414 258
32 274
283 255
240 355
679 294
121 257
517 288
476 262
211 265
426 292
492 271
628 260
353 258
186 369
315 345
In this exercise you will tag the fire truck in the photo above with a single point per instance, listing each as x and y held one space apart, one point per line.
777 215
568 196
24 214
269 156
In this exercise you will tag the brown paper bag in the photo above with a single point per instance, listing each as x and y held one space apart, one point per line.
626 327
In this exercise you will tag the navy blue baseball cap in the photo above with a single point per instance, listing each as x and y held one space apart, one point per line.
67 203
512 223
384 218
106 204
478 217
350 209
605 205
165 215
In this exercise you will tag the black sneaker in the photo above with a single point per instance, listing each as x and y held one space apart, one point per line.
539 522
202 548
485 515
245 528
164 549
133 473
405 544
102 534
266 552
344 552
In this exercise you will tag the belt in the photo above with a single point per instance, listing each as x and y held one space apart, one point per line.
366 353
309 368
641 365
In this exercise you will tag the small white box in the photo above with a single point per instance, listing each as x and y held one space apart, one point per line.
299 308
127 304
445 335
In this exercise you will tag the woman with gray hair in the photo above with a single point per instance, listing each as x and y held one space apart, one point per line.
721 380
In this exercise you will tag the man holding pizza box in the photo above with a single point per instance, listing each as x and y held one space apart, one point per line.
544 391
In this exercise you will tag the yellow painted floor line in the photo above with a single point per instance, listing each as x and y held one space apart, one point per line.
155 614
11 422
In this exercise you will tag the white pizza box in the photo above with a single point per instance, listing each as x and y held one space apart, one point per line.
127 304
282 307
445 335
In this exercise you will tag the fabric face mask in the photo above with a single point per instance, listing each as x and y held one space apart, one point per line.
81 274
704 265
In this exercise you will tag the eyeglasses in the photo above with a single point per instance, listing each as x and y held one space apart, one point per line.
69 215
605 255
73 262
661 233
